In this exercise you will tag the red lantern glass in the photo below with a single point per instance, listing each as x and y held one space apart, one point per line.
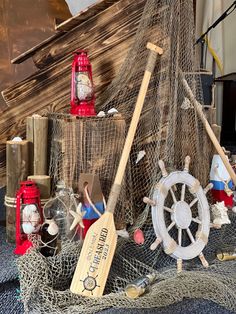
82 88
28 215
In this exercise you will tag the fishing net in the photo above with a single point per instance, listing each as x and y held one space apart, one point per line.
90 145
169 129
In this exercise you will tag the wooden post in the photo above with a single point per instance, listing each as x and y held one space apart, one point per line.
217 131
17 171
37 135
44 184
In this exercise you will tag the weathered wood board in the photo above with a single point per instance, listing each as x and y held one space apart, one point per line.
82 16
106 31
107 37
67 25
23 25
27 54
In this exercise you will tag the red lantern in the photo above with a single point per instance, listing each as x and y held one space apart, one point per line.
28 215
82 89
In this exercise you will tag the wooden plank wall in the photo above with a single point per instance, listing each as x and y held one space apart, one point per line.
107 37
23 25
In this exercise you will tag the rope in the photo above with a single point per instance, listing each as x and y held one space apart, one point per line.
10 201
90 201
51 247
44 200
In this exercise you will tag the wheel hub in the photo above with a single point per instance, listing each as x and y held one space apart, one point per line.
182 215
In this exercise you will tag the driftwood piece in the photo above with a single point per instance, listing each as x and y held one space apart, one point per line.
37 135
17 171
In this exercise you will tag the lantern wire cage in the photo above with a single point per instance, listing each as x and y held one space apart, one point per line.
167 130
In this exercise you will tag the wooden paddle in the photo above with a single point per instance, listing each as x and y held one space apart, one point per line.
100 242
208 128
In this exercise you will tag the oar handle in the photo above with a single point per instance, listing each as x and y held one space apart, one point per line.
113 197
154 50
114 194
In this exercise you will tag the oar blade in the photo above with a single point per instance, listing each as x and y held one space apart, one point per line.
95 258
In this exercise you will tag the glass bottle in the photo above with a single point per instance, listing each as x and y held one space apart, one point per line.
137 287
59 206
49 236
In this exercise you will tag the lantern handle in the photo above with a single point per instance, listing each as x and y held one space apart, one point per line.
80 51
18 209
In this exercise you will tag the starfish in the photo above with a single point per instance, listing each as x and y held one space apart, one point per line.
78 216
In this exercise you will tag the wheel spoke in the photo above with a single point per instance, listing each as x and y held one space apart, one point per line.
183 192
168 209
171 226
179 236
155 244
190 235
179 265
208 187
173 195
203 260
193 202
186 163
198 221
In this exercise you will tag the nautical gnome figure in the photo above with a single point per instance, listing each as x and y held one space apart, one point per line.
222 183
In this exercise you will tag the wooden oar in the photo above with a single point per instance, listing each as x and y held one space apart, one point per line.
208 128
100 242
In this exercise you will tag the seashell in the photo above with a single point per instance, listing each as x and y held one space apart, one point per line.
101 114
17 139
123 233
140 155
53 228
112 111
